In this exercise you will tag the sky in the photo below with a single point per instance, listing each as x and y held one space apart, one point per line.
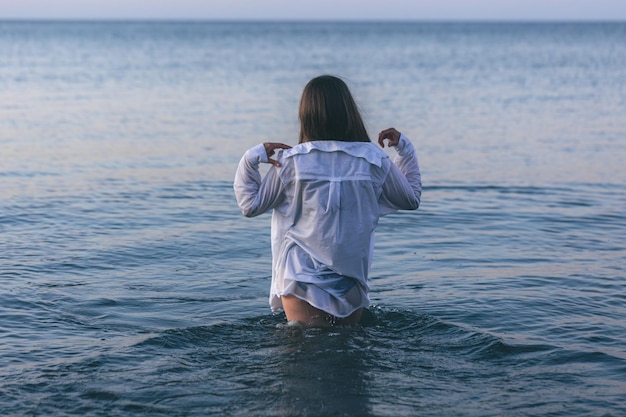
316 9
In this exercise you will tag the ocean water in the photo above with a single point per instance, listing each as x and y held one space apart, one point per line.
130 284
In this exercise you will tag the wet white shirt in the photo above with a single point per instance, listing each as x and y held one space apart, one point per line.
327 197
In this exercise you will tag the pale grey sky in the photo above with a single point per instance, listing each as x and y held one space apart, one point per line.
316 9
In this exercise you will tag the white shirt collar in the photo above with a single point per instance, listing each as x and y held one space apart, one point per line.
365 150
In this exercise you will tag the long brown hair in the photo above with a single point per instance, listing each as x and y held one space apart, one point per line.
328 112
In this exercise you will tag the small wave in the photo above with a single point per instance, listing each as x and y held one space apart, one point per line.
502 189
399 330
28 174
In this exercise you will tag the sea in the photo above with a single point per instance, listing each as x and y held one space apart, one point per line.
131 285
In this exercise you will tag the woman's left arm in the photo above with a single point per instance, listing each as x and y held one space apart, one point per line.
256 195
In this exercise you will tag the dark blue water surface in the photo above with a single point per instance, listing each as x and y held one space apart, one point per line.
130 284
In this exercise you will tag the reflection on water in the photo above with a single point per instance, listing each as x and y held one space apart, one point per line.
323 372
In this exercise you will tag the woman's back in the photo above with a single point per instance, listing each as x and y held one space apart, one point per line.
331 204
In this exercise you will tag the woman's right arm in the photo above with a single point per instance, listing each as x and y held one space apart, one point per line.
402 189
255 195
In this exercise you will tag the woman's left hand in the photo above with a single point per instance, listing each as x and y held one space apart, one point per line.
270 149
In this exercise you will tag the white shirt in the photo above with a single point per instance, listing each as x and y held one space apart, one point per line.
327 197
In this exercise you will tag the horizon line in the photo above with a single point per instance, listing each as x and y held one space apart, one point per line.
298 20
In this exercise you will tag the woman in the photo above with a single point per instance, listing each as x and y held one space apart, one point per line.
327 194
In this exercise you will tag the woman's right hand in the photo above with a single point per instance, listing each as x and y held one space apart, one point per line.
392 136
270 149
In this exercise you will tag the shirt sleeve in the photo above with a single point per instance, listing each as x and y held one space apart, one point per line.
256 195
402 189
